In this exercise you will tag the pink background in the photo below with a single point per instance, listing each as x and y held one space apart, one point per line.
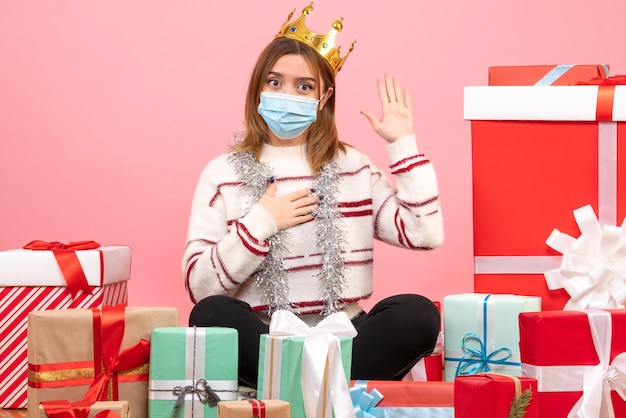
110 110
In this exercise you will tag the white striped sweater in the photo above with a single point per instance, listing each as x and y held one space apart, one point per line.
226 245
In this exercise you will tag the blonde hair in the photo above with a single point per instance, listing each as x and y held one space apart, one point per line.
322 144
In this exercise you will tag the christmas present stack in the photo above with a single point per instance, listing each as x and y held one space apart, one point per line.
46 276
539 152
191 370
309 367
91 355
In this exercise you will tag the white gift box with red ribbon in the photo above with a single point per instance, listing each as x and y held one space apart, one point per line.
510 234
33 281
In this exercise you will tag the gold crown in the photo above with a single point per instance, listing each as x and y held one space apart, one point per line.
324 44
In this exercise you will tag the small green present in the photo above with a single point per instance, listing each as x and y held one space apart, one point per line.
308 367
191 369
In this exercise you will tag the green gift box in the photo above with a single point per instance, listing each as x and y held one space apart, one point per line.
325 378
188 367
481 333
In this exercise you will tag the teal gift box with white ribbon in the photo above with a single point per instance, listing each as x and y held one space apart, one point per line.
190 370
481 333
309 367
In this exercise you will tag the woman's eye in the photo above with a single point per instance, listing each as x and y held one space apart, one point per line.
305 87
273 83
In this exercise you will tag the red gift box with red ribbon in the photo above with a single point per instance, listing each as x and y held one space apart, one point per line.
539 153
578 359
92 355
544 75
51 275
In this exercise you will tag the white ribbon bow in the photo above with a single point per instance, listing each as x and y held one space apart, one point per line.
599 380
321 354
593 267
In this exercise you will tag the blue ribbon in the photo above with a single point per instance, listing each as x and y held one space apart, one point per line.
478 360
364 403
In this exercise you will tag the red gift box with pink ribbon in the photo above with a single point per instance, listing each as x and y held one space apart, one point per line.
578 359
45 276
538 153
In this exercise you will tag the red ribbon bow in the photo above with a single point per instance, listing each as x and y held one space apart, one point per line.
67 409
65 255
108 331
606 92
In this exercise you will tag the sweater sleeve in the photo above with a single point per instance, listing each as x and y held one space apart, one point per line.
409 214
222 250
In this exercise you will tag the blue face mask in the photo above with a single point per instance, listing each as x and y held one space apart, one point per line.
286 115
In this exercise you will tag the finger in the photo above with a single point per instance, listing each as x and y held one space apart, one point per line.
382 91
391 88
407 99
398 90
370 117
271 188
299 194
306 210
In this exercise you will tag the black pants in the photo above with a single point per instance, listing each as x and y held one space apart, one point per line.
391 338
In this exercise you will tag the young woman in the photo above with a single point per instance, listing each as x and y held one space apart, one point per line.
287 218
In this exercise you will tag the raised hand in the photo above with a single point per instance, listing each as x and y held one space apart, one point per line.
397 115
290 209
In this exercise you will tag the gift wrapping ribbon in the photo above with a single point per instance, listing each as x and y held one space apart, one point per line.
484 357
364 403
65 255
606 94
258 408
596 382
366 406
322 367
607 191
108 331
129 366
592 269
67 409
193 392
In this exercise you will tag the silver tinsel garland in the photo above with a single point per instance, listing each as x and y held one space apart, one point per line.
330 236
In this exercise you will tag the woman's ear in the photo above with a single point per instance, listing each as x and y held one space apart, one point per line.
325 98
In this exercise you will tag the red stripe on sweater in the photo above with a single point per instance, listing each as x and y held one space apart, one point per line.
218 191
357 214
377 219
187 275
250 237
223 268
307 267
408 204
356 204
406 160
296 305
410 167
249 247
